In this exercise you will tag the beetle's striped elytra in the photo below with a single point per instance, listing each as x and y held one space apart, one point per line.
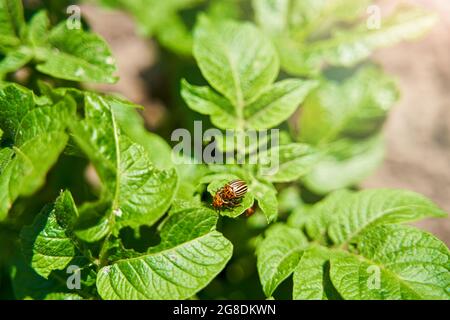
230 195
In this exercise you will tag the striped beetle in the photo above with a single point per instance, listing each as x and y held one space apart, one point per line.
230 195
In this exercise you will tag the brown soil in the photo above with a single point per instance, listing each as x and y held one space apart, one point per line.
418 129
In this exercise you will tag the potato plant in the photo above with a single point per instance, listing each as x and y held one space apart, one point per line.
95 206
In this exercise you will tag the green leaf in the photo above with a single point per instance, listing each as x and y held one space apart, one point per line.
345 163
46 243
63 296
132 124
14 61
300 18
45 119
32 162
26 171
344 120
266 195
39 134
140 194
77 55
299 216
278 255
271 15
15 102
351 46
205 101
145 193
189 175
98 137
406 23
287 162
243 75
321 214
6 201
183 264
224 10
93 223
182 204
37 32
277 103
311 276
8 43
27 284
115 250
394 262
235 58
355 108
66 211
289 199
356 212
11 18
5 157
176 36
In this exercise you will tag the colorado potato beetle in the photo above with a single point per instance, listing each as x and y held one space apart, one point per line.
230 195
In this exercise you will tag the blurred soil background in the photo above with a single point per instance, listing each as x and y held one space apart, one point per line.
418 129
